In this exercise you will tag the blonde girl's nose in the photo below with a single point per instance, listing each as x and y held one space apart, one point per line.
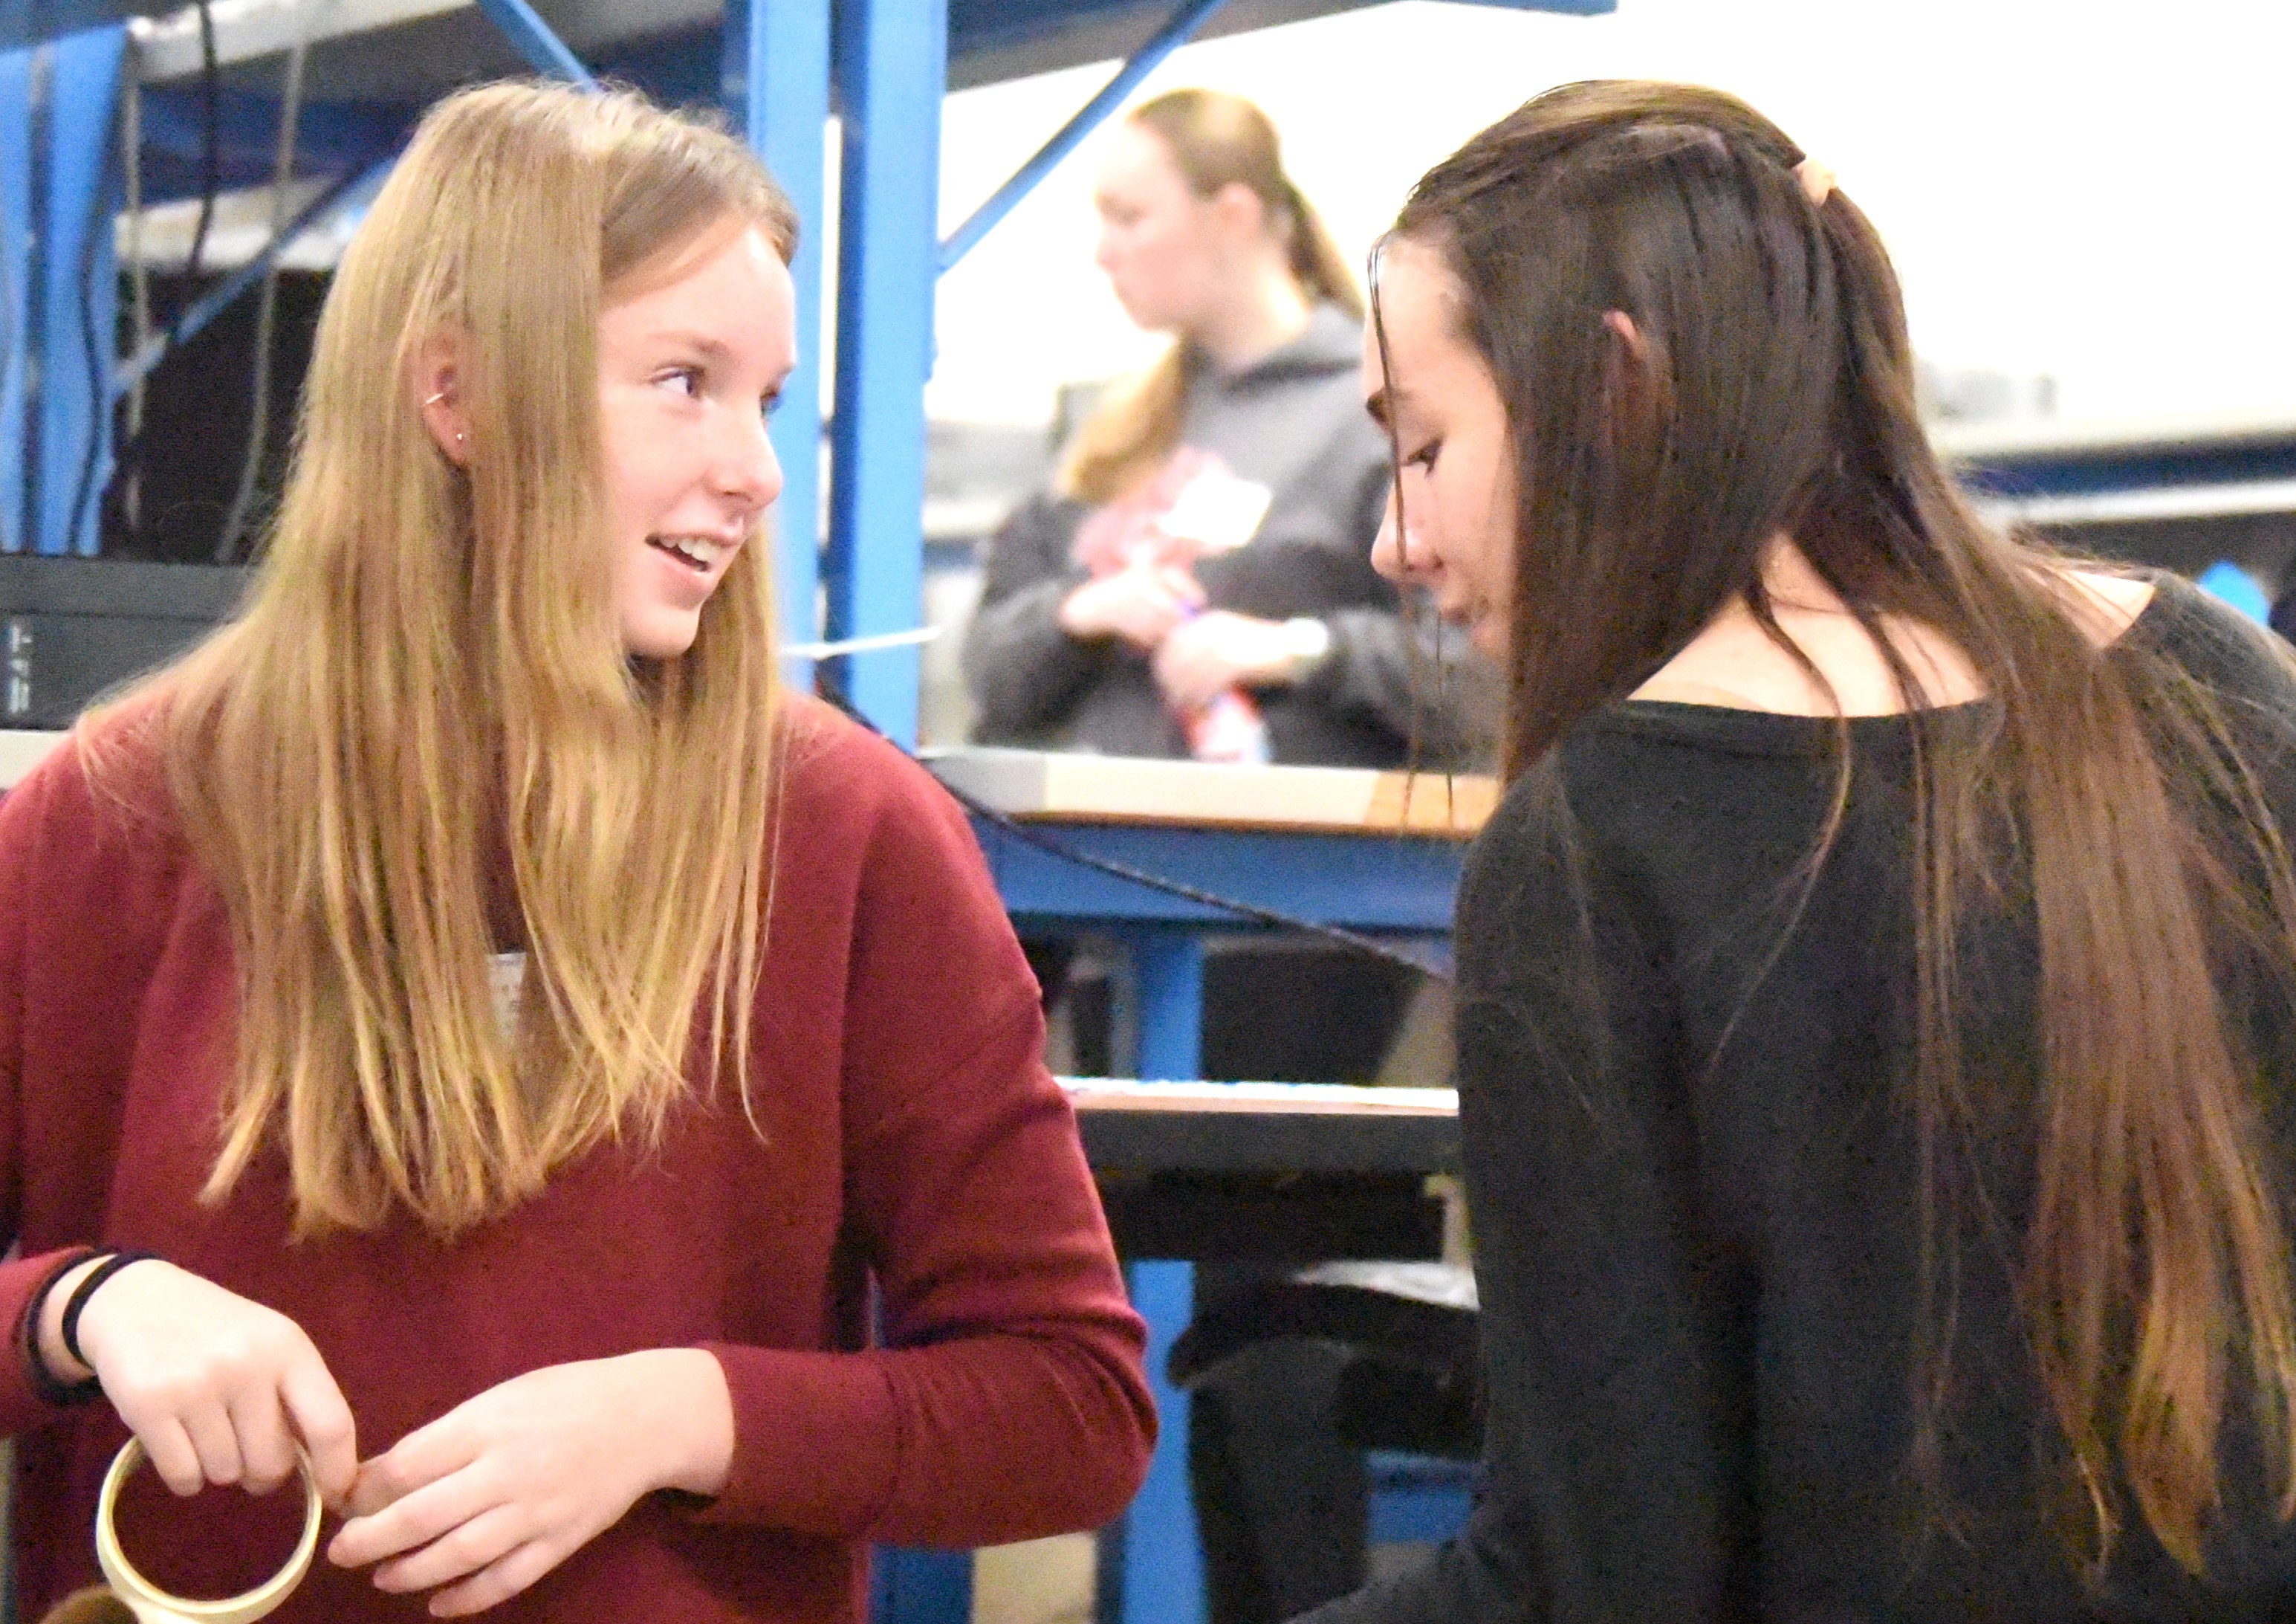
749 468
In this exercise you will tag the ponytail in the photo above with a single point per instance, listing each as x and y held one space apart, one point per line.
1322 272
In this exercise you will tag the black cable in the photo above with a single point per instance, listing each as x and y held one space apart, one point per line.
267 311
128 477
129 454
1052 846
1055 848
210 146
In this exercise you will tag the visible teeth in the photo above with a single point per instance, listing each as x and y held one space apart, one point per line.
701 550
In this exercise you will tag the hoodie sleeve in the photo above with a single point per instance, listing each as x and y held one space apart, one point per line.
1025 672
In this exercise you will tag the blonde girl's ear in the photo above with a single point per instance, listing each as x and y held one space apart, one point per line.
438 398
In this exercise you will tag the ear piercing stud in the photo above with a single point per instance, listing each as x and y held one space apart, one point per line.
461 439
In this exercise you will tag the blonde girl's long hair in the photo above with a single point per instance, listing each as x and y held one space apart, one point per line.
430 673
1216 141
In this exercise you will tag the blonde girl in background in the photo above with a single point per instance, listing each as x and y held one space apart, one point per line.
1199 580
466 1021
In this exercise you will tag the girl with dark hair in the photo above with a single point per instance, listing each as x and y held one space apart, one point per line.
1878 987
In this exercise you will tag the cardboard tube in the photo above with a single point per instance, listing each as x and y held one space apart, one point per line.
154 1606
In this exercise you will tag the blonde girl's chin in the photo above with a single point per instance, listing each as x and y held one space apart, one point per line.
661 635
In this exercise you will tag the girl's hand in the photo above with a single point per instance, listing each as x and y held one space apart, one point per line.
217 1388
499 1490
1219 651
1141 605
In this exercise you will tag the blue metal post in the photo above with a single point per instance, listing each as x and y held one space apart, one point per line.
890 68
59 286
776 87
1163 1567
19 375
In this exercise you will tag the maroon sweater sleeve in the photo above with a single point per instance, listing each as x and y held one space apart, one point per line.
24 816
1007 1400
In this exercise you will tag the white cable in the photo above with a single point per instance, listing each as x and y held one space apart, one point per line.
860 645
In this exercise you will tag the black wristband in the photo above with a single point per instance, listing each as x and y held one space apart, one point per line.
87 1287
45 1382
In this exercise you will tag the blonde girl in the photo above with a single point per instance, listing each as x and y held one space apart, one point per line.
467 1022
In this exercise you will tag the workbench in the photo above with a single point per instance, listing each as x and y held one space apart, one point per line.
1192 1171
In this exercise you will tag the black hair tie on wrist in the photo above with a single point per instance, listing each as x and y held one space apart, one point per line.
45 1382
87 1287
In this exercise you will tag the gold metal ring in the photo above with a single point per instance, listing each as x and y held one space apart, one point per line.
152 1605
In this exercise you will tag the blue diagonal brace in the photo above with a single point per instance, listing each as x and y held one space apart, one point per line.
534 40
349 193
1191 16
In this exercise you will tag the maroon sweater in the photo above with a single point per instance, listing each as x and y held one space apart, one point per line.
910 1134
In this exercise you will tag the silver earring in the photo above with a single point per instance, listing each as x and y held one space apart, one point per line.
431 400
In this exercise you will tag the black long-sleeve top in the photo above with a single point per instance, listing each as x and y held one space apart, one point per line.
1693 1179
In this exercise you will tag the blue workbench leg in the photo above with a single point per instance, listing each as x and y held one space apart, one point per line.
909 1587
1162 1571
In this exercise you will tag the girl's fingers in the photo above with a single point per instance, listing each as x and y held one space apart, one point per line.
168 1447
460 1553
498 1584
322 1419
208 1426
410 1519
421 1457
266 1453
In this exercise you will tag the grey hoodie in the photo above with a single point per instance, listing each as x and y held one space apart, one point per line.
1293 422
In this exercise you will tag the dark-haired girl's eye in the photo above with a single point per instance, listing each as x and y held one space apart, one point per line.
1424 457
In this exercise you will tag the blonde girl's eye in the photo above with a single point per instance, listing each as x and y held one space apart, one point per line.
686 380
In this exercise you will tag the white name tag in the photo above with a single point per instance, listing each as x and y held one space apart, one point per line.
1217 511
507 972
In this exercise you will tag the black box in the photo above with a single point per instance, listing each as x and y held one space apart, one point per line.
73 629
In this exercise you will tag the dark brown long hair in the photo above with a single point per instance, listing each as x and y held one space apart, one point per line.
1216 141
1772 392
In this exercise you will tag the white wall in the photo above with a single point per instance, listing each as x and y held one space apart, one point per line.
2094 189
